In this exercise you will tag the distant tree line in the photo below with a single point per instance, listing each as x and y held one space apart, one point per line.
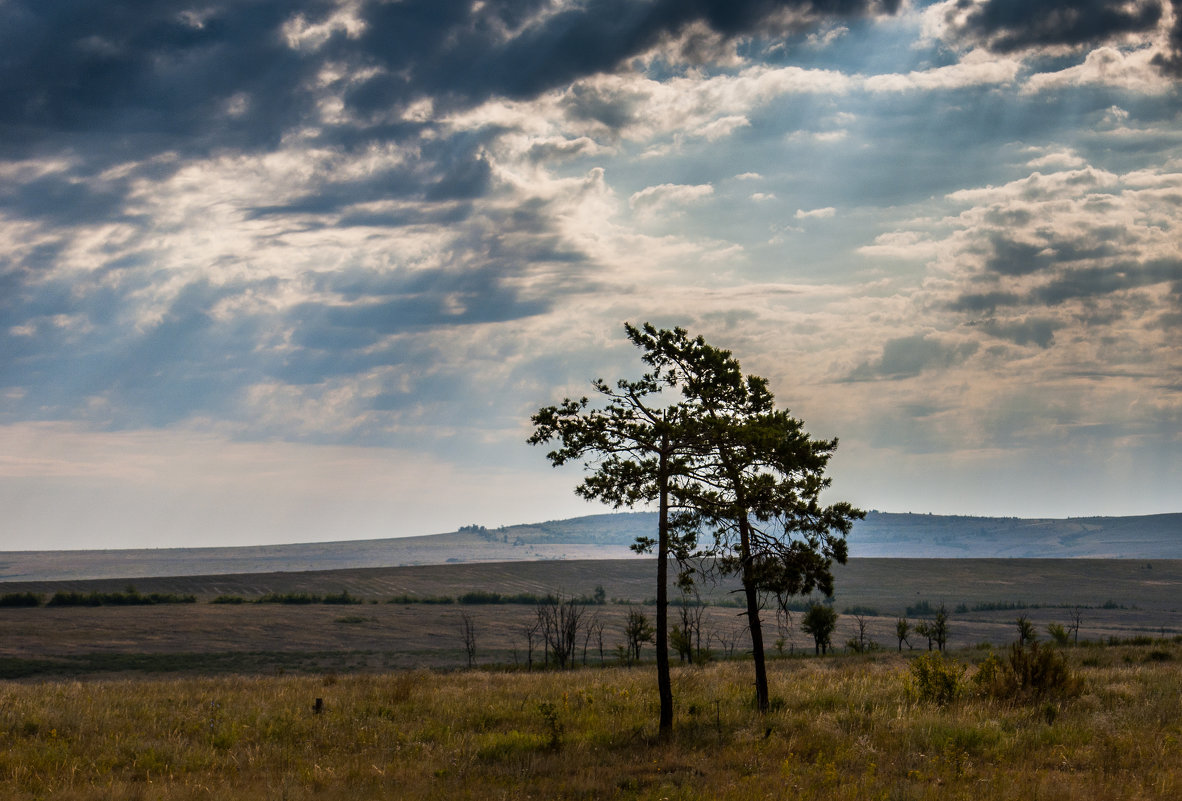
295 598
129 597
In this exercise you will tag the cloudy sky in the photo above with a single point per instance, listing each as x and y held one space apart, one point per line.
298 270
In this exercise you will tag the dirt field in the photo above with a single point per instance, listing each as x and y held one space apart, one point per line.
1116 598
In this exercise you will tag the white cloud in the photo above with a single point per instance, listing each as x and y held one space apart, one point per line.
821 137
815 214
653 200
912 245
1039 186
301 34
827 36
723 127
1107 66
1064 157
976 68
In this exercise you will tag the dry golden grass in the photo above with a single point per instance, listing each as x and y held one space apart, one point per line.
844 728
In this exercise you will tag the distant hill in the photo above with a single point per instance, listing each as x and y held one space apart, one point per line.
608 536
935 536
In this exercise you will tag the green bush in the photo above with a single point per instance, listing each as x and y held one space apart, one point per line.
480 597
342 597
20 599
936 679
1030 673
131 597
288 598
1059 634
421 599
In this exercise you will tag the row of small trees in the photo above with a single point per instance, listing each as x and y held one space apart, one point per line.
706 444
561 624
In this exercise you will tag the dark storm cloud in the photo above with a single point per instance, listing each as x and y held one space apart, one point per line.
1016 258
1038 331
445 171
1171 61
1009 25
150 73
1010 257
984 301
64 200
456 53
1064 283
1090 283
158 76
1006 26
413 300
906 357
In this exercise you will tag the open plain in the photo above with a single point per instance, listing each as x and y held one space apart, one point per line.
371 699
1113 598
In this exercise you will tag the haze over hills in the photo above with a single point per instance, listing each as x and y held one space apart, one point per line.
608 536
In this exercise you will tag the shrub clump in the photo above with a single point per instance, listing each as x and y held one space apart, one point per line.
421 599
131 597
935 679
288 598
1029 673
13 599
343 597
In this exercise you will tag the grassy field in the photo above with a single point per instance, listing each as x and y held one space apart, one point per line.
216 701
849 727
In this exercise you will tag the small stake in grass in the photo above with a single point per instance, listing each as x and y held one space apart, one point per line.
318 707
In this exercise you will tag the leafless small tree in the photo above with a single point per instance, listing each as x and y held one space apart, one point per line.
784 637
468 631
530 632
595 628
728 640
686 638
1076 620
560 620
860 642
589 631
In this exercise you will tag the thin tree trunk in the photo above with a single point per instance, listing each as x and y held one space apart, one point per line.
664 682
753 624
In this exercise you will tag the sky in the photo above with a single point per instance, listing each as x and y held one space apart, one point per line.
301 270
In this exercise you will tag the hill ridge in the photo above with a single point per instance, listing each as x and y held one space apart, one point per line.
608 535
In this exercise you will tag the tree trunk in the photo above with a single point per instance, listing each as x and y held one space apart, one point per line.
664 682
753 624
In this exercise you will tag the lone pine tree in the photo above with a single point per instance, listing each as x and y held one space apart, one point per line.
721 458
754 480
